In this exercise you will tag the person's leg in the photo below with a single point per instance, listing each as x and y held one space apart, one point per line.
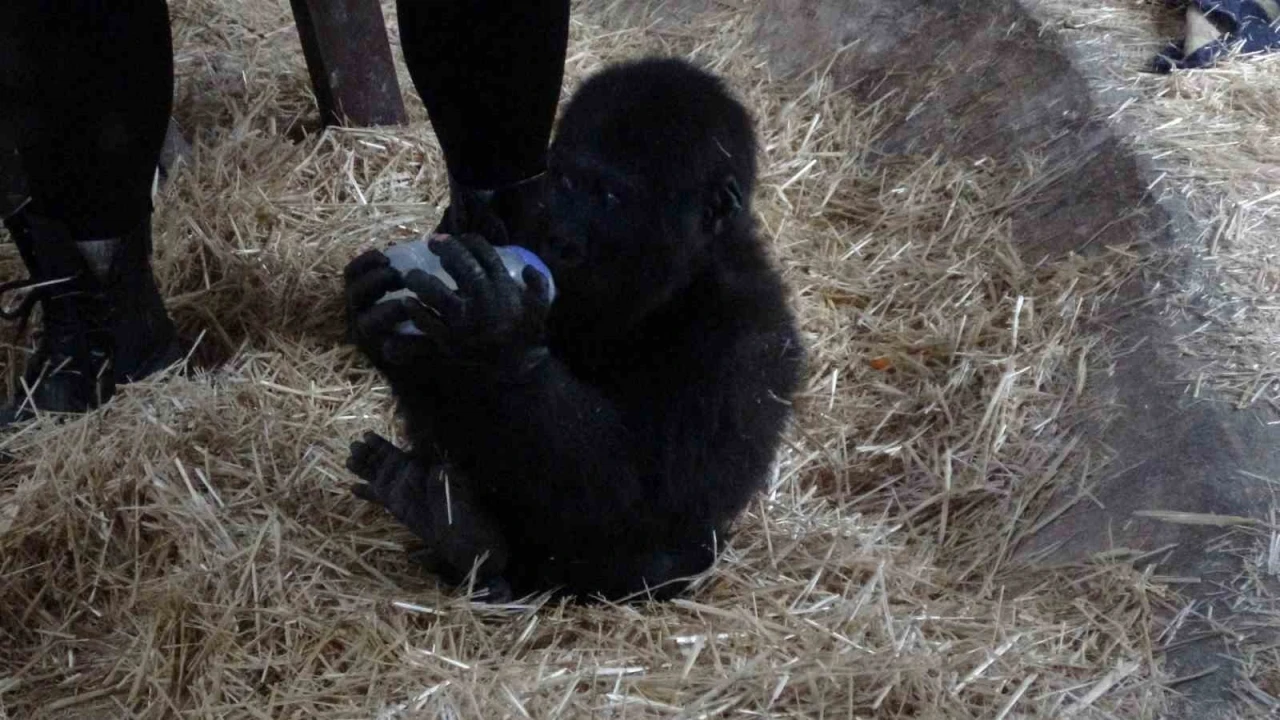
87 90
489 72
93 85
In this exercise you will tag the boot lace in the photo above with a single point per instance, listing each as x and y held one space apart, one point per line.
63 343
38 291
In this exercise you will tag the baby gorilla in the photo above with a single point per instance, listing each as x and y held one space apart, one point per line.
601 445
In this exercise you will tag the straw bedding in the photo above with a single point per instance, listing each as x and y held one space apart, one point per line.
193 550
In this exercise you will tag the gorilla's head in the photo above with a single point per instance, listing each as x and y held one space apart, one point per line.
652 166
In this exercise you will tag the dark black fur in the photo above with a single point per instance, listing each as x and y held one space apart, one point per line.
613 441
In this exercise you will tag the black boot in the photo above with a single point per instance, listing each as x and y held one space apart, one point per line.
103 322
510 215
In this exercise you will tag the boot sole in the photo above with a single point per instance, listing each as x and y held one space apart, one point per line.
15 414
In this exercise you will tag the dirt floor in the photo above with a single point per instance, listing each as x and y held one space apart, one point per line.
979 264
1214 136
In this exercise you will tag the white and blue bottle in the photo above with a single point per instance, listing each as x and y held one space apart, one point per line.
415 255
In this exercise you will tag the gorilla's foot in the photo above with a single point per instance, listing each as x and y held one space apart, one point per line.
489 589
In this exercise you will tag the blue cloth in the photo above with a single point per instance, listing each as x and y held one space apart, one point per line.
1241 21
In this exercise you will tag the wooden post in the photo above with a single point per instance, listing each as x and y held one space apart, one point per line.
349 59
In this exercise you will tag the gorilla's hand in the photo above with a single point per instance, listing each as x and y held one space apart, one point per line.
372 325
490 320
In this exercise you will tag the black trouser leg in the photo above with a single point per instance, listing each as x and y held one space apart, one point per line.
86 87
489 72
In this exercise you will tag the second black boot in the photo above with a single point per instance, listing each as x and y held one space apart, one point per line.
510 215
103 322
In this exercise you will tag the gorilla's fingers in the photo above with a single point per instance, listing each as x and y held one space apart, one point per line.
369 452
435 294
363 263
484 253
465 269
425 317
360 461
384 452
381 319
537 288
364 491
404 351
364 290
379 444
372 459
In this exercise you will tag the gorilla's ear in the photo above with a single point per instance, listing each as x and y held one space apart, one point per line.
724 202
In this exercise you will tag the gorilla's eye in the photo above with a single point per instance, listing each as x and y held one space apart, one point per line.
611 200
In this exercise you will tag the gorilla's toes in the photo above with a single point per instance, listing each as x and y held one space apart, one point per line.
359 461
